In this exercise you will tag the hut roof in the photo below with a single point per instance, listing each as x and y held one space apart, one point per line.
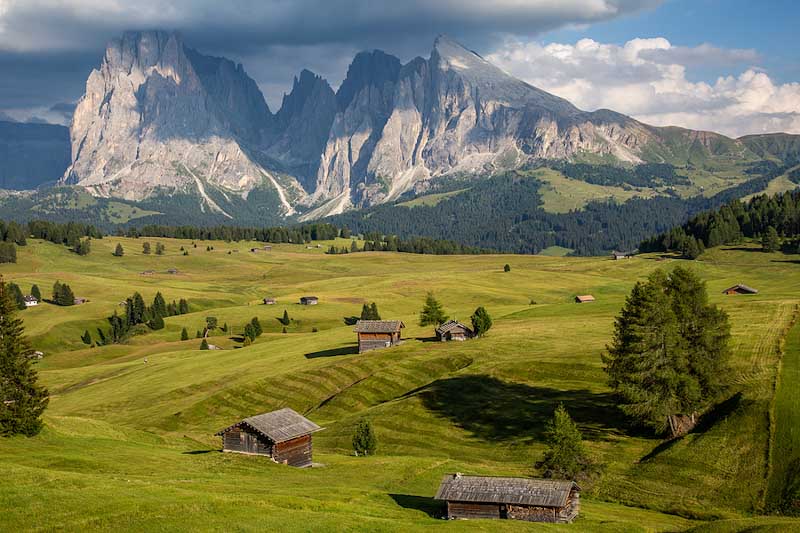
278 426
508 490
450 325
30 298
741 287
378 326
584 298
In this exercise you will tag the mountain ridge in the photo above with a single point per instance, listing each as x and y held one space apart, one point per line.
160 119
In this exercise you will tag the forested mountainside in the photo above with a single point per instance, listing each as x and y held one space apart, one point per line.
760 216
505 213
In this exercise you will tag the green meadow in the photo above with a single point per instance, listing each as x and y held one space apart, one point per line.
129 437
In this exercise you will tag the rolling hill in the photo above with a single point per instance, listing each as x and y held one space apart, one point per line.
130 443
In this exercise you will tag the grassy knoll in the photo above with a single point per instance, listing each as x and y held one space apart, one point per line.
130 444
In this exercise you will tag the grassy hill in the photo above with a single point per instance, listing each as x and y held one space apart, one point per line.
129 444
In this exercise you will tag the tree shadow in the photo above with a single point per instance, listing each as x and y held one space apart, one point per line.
791 261
497 410
428 339
350 320
334 352
198 452
742 249
429 506
716 414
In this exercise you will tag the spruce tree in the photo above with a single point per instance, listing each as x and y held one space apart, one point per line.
211 323
373 312
565 457
16 295
118 251
481 321
285 320
506 268
669 352
365 312
36 293
364 440
432 313
160 248
86 337
250 332
771 242
146 248
8 252
204 345
156 323
159 307
22 400
183 307
257 329
184 335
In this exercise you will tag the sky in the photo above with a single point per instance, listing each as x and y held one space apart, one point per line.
720 65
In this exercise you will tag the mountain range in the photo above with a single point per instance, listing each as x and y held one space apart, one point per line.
161 123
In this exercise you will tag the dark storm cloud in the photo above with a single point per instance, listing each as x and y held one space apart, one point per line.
49 46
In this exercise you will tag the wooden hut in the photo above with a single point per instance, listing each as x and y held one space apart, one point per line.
740 288
534 500
79 300
376 334
270 301
616 256
31 301
309 300
584 298
453 330
283 435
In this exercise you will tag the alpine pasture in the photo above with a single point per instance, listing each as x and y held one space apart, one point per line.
129 437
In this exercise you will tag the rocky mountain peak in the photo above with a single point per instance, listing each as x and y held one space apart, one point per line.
373 68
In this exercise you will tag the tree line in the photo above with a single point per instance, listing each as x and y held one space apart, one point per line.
769 218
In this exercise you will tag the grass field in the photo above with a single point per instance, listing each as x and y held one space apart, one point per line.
130 445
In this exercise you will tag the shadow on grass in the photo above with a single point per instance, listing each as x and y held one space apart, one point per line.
791 261
198 452
429 506
497 410
716 414
428 339
346 350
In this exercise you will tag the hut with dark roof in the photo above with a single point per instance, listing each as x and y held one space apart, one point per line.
740 288
309 300
376 334
534 500
283 435
453 330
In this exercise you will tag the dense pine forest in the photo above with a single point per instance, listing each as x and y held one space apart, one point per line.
505 213
764 217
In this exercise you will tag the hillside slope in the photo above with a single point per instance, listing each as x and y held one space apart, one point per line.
133 441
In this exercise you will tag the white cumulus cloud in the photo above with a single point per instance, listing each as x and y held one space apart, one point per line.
647 79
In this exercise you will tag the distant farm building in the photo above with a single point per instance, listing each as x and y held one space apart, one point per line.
31 301
267 248
377 334
452 330
148 272
309 300
622 255
533 500
270 301
740 289
172 271
283 435
37 355
80 300
584 298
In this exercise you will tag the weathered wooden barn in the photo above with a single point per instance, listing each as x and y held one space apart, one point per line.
584 298
533 500
376 334
283 435
309 300
740 288
270 301
453 330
